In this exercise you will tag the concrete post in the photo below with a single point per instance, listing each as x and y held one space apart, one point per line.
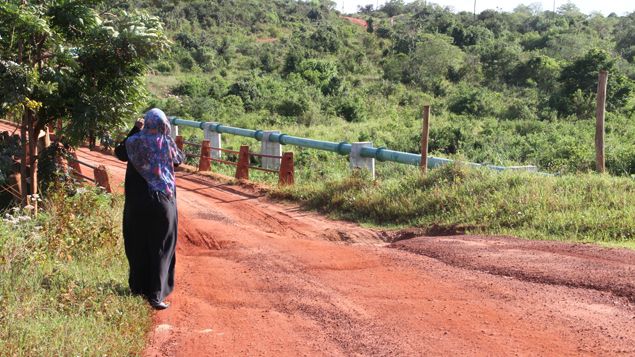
174 131
179 142
270 148
358 162
215 141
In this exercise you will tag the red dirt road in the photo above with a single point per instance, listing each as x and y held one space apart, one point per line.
356 21
261 278
255 277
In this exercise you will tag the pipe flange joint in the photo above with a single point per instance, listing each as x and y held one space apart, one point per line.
281 139
340 148
202 125
217 127
172 120
378 153
259 132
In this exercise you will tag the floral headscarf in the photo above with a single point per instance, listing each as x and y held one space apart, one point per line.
153 153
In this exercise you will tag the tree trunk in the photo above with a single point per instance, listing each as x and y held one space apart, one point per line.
25 160
33 159
29 161
92 140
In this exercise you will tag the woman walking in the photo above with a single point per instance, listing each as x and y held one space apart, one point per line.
150 213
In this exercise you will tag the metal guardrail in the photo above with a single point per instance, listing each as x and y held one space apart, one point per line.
285 171
342 148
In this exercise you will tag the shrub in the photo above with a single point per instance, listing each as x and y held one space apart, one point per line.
322 73
352 109
292 106
186 61
164 66
325 39
472 101
248 91
192 87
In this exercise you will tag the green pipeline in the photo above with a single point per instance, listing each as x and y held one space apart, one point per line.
342 148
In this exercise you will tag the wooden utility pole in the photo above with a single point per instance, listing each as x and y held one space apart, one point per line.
425 134
599 121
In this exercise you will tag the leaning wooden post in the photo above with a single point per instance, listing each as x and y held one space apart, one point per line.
179 142
204 161
102 178
47 137
425 135
15 182
599 122
242 170
286 169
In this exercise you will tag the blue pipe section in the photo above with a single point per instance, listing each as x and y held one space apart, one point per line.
342 148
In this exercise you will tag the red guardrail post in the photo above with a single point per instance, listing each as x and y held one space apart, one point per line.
74 164
179 142
204 160
286 169
102 178
242 170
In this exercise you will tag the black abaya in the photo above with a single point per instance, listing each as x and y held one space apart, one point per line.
149 231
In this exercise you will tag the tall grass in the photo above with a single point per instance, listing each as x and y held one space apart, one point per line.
589 208
63 276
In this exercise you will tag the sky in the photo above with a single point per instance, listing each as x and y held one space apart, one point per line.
620 7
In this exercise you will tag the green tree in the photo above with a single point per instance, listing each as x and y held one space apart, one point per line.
393 7
579 81
499 58
432 61
625 37
66 60
540 70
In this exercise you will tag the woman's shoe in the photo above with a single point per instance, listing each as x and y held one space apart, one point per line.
160 305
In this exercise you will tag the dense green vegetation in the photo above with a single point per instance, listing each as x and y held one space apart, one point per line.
63 280
80 61
505 87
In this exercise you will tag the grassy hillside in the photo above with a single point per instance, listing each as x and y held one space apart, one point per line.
505 87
